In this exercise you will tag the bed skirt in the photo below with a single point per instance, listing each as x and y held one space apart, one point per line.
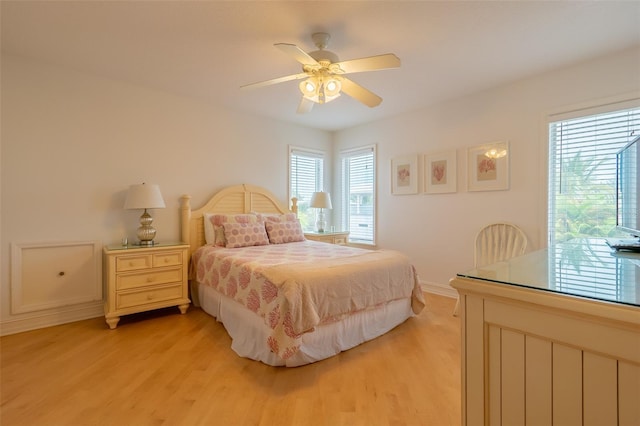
249 333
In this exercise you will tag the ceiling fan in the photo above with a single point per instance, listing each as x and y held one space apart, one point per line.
324 74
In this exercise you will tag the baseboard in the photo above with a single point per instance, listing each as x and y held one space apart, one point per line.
439 289
50 318
94 310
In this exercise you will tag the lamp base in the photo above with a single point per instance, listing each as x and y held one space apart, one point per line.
320 222
146 233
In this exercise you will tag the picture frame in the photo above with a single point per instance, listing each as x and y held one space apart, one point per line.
404 175
488 167
440 173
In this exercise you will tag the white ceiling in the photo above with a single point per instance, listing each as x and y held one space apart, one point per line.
208 49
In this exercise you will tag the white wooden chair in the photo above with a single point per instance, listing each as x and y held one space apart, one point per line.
495 243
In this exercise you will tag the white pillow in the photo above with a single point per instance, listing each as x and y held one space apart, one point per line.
209 233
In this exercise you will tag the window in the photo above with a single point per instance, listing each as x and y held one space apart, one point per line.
582 172
358 194
306 176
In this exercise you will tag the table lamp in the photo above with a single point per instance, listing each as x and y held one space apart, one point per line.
320 200
144 196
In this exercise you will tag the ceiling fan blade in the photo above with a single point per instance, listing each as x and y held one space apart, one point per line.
305 105
371 63
296 53
275 81
359 93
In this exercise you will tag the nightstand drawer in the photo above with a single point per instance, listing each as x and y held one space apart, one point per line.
137 298
131 263
340 237
167 259
153 277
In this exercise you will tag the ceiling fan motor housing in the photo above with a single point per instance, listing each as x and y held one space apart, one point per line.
321 40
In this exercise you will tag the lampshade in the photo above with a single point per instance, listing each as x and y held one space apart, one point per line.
144 196
320 200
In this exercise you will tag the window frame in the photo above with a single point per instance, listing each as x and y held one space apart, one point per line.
319 180
585 110
344 196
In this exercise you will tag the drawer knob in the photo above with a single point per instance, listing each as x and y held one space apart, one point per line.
150 296
150 279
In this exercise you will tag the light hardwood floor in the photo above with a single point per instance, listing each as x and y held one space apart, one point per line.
163 368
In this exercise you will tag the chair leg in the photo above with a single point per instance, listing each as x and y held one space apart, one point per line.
456 309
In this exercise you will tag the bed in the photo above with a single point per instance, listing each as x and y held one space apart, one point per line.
285 300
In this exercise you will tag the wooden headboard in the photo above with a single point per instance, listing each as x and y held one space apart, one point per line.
233 199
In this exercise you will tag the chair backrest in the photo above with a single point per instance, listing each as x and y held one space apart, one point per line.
497 242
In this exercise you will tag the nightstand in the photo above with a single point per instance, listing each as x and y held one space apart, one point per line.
339 237
138 279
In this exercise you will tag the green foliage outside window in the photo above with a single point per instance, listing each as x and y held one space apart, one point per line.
589 208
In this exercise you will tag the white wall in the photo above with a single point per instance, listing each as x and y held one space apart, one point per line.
73 143
437 230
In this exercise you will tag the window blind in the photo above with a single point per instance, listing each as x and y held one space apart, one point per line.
358 194
582 194
306 168
582 172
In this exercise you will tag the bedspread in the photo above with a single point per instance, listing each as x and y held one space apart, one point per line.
295 287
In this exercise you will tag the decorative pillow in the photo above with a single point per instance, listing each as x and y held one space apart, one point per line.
216 221
276 217
209 233
245 234
284 232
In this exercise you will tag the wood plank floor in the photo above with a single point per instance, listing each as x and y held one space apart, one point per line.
163 368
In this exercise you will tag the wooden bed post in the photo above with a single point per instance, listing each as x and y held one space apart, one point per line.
294 205
185 218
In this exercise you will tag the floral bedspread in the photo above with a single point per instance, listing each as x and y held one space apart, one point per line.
295 287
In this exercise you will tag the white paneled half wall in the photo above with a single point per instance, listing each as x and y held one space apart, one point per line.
54 279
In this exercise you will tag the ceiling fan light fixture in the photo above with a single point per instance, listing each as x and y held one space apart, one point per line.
332 87
323 73
310 88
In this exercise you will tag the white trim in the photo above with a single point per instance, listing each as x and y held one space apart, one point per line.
543 194
591 107
439 289
52 318
309 153
352 152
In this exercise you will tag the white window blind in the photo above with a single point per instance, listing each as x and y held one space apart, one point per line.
582 172
582 194
358 194
306 169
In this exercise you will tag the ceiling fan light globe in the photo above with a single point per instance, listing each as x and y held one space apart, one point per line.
309 88
332 87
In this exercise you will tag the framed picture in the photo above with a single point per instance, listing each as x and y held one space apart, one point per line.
404 175
489 167
440 173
